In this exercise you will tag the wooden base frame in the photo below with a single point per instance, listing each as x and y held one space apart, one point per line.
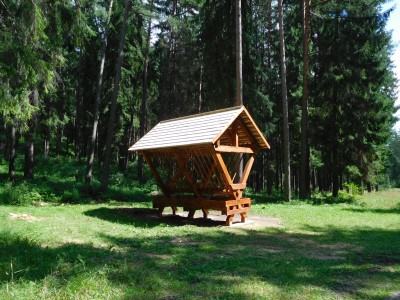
228 207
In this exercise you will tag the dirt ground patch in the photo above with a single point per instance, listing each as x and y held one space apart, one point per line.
25 217
215 219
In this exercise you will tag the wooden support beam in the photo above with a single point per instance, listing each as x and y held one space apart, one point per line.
238 186
224 171
247 169
243 216
229 220
233 149
191 213
155 174
160 211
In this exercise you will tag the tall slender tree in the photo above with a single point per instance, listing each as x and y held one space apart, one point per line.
113 106
92 141
304 178
286 143
143 105
239 60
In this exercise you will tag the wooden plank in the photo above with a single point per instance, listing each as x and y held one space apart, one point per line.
238 186
238 210
233 149
247 169
246 131
155 174
264 142
239 201
198 203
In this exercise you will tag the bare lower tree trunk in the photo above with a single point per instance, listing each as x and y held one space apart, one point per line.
60 135
92 140
304 184
143 106
201 86
13 152
286 144
78 108
29 138
113 109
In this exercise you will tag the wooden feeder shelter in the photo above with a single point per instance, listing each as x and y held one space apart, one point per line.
196 161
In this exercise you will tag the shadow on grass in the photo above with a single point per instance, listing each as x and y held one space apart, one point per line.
375 210
147 218
343 263
223 264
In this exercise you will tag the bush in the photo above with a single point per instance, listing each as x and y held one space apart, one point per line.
21 194
327 198
352 188
71 196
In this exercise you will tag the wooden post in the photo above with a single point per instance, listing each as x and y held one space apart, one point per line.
155 174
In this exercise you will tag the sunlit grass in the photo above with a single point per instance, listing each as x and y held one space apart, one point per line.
113 250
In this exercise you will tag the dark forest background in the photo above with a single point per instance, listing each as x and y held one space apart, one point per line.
82 80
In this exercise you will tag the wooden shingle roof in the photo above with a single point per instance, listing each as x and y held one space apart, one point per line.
200 129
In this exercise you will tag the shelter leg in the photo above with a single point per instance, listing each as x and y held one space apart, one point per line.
243 216
229 220
191 213
160 211
205 213
174 210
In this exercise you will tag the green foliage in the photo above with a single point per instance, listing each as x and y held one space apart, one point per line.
343 197
71 196
352 188
19 194
394 159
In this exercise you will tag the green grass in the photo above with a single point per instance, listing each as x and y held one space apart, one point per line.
112 247
111 251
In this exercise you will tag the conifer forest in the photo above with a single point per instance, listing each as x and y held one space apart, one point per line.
82 80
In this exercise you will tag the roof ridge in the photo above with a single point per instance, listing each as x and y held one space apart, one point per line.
203 114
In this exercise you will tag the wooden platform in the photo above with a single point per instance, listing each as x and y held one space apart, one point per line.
228 207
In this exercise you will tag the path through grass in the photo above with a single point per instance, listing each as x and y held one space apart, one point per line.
336 251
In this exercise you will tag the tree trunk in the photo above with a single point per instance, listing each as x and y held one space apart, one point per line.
304 184
143 106
239 72
110 131
60 134
13 153
335 143
46 149
78 108
286 144
29 138
92 141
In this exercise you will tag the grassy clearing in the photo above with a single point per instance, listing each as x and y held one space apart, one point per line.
106 251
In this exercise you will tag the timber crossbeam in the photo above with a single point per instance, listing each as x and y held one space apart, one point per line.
228 207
